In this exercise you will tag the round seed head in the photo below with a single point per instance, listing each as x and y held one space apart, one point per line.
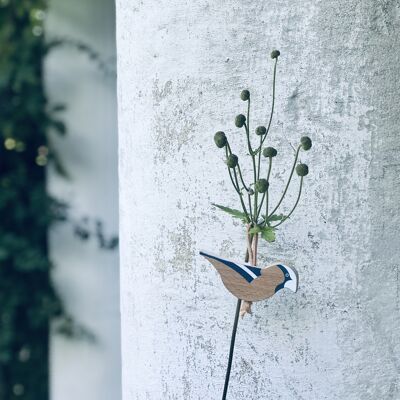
306 143
302 170
261 130
270 152
275 54
240 120
262 185
220 139
232 161
245 95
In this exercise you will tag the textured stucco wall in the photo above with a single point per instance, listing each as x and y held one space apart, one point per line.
181 67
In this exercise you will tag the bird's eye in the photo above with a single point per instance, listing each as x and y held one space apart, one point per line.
287 275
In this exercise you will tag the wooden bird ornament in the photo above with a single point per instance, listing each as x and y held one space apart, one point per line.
251 283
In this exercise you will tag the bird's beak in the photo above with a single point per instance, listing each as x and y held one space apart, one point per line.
293 283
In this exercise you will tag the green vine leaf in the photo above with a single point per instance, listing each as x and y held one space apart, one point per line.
275 217
268 234
231 211
58 126
256 229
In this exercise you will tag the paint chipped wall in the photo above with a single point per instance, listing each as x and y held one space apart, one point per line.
181 68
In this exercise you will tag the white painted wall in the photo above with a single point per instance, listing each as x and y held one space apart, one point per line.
87 277
181 67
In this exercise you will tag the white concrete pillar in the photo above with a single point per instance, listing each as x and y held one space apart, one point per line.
181 67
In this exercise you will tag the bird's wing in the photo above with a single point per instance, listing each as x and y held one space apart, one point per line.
246 271
244 281
266 285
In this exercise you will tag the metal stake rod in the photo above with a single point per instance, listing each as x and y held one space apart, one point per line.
234 330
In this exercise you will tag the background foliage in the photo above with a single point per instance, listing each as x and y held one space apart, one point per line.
28 300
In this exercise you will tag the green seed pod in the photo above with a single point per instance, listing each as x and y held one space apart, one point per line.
240 120
306 143
220 139
261 130
262 185
232 161
275 54
270 152
245 95
302 170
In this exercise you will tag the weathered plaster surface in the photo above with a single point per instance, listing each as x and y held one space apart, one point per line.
181 67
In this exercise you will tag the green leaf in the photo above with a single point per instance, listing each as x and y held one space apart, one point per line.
58 107
276 217
3 254
231 211
268 234
255 230
58 126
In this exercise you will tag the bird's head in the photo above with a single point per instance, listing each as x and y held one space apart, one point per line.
291 278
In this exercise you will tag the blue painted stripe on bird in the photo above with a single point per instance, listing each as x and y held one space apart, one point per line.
248 272
286 275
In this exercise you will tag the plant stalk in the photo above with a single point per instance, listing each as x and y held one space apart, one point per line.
288 182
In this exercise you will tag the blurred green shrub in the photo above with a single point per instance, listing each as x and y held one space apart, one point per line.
28 300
